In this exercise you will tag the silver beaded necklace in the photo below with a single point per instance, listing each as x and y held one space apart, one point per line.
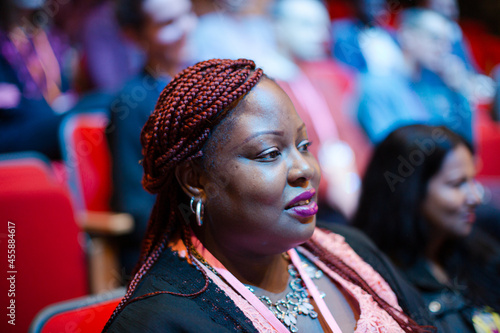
296 302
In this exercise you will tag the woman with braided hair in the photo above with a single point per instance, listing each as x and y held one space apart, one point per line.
227 156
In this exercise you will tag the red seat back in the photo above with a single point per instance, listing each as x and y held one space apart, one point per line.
88 161
86 314
488 144
39 229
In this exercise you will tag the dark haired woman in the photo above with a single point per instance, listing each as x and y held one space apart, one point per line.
417 204
228 157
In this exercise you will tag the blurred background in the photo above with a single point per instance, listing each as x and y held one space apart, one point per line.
78 79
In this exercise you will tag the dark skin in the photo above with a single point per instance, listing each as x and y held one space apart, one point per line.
246 182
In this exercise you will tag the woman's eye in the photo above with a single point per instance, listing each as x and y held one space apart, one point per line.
458 182
304 145
269 155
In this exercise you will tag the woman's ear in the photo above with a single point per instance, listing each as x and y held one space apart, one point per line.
188 176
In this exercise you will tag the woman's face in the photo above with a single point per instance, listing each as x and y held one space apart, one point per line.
452 195
168 22
257 167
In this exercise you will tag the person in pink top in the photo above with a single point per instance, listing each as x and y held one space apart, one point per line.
232 243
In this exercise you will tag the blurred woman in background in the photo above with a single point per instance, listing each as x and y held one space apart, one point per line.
417 204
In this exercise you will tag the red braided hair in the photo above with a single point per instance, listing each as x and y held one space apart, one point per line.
187 110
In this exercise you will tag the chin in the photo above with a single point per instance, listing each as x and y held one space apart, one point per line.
464 232
308 230
467 230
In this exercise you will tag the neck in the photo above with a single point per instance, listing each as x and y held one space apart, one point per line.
268 272
435 246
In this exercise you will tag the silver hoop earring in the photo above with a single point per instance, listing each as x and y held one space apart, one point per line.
191 205
199 209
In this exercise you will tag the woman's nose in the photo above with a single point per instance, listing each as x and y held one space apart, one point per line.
302 167
475 193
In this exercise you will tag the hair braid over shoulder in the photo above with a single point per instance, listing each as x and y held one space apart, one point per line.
187 110
346 272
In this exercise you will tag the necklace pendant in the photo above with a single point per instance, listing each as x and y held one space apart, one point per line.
313 314
295 303
305 307
290 319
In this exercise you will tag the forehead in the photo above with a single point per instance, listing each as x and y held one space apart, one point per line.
457 162
267 105
436 25
265 108
302 9
164 10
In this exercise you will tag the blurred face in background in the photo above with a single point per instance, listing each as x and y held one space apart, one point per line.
168 22
452 196
430 42
447 8
303 28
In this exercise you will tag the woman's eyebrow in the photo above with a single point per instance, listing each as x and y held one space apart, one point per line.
301 127
253 136
277 133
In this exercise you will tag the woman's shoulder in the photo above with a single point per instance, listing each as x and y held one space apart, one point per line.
166 313
164 306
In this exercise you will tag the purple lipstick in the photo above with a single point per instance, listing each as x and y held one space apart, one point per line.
302 205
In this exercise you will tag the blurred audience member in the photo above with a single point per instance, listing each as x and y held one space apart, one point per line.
238 29
439 77
302 29
450 10
160 28
418 204
110 59
365 42
478 88
321 91
431 88
35 71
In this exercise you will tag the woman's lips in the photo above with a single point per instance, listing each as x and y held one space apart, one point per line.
304 196
302 205
470 217
305 210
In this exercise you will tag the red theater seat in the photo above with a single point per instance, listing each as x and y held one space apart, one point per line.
37 218
86 314
488 141
87 161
